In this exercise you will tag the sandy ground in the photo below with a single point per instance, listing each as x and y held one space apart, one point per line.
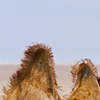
64 78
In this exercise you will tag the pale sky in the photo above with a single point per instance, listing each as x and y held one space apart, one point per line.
70 27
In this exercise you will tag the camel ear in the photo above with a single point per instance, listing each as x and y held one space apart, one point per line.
39 57
37 66
86 84
75 68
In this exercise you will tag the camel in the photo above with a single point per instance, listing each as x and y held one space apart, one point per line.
86 80
36 78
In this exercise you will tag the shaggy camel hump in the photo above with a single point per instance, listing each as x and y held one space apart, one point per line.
86 83
36 79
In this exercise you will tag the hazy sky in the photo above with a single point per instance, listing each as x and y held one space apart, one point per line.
70 27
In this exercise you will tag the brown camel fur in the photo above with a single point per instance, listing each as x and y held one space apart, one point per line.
86 81
36 79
